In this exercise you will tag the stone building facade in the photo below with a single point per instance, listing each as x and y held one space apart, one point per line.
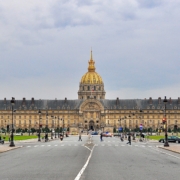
91 110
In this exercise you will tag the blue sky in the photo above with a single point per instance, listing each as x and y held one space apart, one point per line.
45 47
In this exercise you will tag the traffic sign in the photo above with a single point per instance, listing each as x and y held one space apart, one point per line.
141 127
120 129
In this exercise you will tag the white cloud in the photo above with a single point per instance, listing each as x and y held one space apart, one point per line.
135 45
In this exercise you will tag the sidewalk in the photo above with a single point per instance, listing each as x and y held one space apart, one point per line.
4 148
173 148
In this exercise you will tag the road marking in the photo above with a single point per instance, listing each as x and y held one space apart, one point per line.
35 146
96 144
28 146
75 145
149 146
62 144
85 165
136 145
166 153
42 145
49 145
142 146
102 144
55 145
122 145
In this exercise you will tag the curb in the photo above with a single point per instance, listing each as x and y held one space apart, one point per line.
170 150
16 147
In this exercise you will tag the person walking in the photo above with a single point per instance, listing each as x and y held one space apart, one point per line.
101 136
129 140
80 139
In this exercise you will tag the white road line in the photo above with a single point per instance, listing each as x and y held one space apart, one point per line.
75 145
149 146
49 145
28 146
102 144
136 145
62 144
55 145
122 145
42 145
143 146
35 146
85 165
166 153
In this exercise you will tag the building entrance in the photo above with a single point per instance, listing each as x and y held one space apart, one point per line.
91 125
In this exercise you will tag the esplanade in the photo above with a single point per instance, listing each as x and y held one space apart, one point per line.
91 111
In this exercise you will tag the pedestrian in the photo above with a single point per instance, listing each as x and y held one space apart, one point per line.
101 136
46 137
122 137
129 139
80 139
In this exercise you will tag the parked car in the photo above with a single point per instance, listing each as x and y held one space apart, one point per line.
2 141
174 139
107 134
18 134
94 133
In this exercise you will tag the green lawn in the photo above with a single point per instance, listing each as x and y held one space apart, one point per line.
20 137
155 137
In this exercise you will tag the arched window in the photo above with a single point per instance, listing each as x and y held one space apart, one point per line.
94 87
88 88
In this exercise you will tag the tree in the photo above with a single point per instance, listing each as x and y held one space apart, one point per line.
114 130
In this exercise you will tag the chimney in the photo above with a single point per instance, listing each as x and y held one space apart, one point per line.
159 100
4 100
23 102
150 100
32 101
117 101
170 100
178 100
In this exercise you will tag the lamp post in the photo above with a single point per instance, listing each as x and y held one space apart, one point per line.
12 131
47 129
55 126
166 144
29 126
176 129
58 126
39 134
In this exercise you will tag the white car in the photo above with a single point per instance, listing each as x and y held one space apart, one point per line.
18 134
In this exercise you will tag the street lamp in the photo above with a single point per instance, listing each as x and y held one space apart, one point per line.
29 126
47 129
55 126
12 131
58 126
39 134
166 144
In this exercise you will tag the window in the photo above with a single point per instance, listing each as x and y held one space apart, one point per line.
94 97
94 87
88 88
88 97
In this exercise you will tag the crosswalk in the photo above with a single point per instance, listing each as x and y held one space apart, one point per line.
78 145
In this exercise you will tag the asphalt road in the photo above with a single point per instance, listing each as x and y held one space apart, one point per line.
107 160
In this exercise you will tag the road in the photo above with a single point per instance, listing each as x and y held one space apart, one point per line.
110 159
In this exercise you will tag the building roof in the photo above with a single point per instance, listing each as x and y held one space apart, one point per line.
75 104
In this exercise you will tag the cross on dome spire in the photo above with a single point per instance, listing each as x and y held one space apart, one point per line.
91 67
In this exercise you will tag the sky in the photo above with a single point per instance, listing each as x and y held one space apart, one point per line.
45 47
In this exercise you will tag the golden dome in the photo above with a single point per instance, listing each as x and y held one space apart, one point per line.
91 77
